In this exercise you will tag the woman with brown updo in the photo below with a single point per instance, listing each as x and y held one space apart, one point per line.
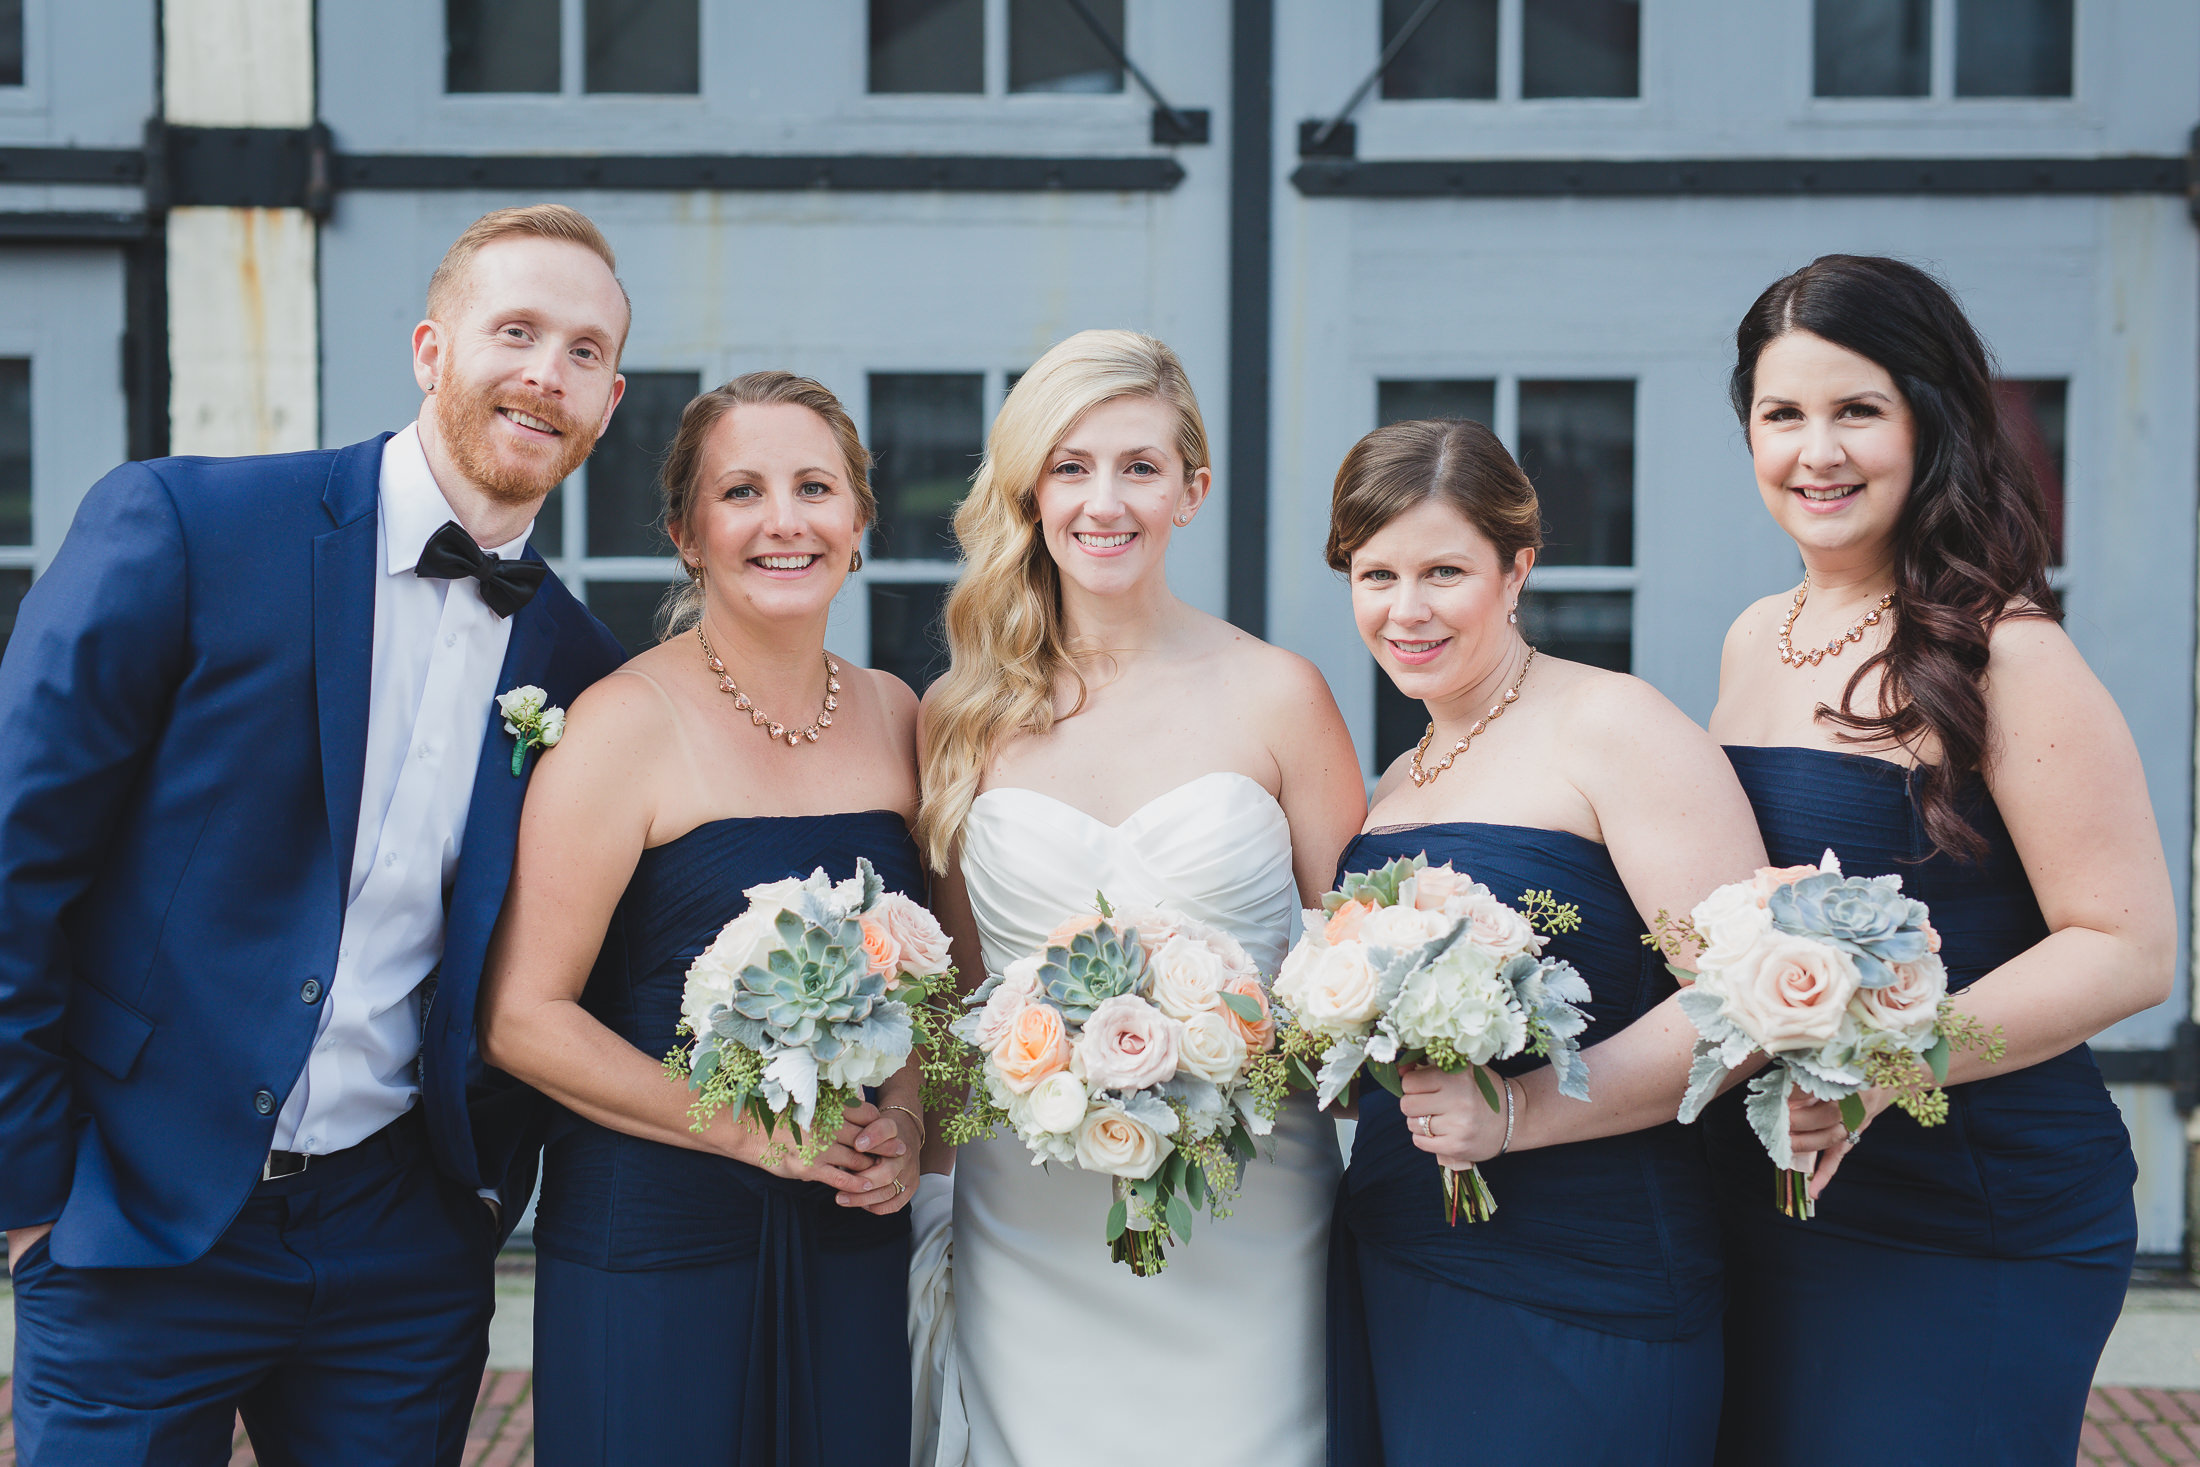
1915 705
1580 1324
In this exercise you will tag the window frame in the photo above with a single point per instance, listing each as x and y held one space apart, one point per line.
1512 68
1940 70
572 69
934 106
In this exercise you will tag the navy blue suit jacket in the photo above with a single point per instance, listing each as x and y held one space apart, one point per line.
183 731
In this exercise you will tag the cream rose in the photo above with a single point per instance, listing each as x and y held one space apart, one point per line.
1187 974
1910 1003
1499 928
1210 1048
1400 928
1018 986
1056 1104
1035 1046
1434 886
1334 987
1730 921
744 942
1127 1044
1789 993
915 931
1116 1143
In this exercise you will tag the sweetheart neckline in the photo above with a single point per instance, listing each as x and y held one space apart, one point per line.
1128 820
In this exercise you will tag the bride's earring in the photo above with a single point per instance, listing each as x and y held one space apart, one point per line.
1513 616
695 571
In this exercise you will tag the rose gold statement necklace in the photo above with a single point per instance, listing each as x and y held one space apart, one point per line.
1816 655
757 716
1423 776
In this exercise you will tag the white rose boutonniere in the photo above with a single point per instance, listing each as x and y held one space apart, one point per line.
532 721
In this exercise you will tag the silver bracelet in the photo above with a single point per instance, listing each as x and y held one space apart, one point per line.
1510 1110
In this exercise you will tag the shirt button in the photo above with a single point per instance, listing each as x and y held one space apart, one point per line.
390 859
450 639
313 1143
310 990
263 1101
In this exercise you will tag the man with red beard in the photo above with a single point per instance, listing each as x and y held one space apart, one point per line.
265 725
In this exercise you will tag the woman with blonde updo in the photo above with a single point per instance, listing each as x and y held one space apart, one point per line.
1096 733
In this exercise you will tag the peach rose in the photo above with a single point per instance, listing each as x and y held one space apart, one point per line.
1770 879
1259 1037
915 931
1911 1003
1127 1044
1788 992
1344 923
1035 1046
1070 928
1019 986
880 950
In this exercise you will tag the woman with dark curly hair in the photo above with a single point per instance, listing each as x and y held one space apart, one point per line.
1915 705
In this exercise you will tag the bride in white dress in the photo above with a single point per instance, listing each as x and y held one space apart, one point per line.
1096 734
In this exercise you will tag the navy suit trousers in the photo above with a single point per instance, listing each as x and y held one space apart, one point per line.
345 1312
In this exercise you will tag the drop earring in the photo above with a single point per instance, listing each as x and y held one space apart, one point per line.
855 562
1512 617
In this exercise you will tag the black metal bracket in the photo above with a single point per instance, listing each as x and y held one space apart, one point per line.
1334 138
2178 1066
2192 175
1170 124
248 167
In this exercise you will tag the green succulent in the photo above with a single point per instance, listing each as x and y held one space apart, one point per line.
815 979
1381 884
1091 968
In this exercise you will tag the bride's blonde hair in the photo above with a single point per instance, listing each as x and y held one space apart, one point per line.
1004 617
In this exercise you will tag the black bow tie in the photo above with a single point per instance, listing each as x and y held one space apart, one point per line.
506 585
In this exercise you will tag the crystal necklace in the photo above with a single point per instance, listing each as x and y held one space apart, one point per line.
1423 776
757 716
1816 655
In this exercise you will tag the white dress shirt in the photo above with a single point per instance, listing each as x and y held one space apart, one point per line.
437 652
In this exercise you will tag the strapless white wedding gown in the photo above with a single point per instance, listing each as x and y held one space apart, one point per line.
1066 1357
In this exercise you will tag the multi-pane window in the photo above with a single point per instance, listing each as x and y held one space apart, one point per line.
1568 48
926 434
15 489
2037 412
632 46
1887 48
1576 441
602 528
11 46
939 46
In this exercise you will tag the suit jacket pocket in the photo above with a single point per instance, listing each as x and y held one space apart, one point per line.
105 1031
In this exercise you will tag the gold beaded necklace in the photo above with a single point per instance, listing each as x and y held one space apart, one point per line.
757 716
1816 655
1512 695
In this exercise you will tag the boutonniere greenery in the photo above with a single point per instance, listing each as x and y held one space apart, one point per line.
532 721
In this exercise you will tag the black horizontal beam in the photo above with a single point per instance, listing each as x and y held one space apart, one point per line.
852 172
72 165
2178 1066
1515 178
45 226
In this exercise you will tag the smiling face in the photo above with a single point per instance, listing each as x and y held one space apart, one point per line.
1834 445
775 522
523 366
1112 491
1430 595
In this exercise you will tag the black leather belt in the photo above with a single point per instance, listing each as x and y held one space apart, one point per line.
399 1136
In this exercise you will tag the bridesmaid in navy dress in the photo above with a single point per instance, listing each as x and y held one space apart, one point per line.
708 1298
1581 1323
1915 705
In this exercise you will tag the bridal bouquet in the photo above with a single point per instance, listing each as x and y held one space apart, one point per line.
815 991
1838 979
1138 1044
1419 964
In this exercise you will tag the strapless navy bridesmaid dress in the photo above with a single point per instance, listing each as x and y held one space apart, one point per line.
1581 1323
1949 1302
691 1308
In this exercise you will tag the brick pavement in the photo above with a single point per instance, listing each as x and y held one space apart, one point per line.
503 1433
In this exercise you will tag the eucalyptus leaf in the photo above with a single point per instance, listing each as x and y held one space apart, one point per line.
1119 1217
1936 1059
1489 1090
1180 1217
1386 1075
1243 1006
1852 1112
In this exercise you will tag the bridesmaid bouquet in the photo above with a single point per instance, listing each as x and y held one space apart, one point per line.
1838 979
815 991
1135 1044
1419 964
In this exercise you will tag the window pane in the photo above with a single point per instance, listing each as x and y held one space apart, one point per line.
1872 48
629 608
2013 48
11 43
906 637
1051 49
13 583
642 46
1407 401
1399 720
15 451
1577 444
1453 54
623 502
501 45
1596 627
548 538
2038 419
927 45
1581 48
927 434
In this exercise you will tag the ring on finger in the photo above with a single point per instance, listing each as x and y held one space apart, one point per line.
899 1187
1852 1137
1426 1129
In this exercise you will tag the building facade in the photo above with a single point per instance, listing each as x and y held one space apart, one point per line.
217 219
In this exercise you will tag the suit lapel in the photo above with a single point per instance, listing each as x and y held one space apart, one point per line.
343 639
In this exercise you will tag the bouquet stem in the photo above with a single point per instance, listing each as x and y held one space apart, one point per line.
1792 1195
1138 1243
1466 1192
